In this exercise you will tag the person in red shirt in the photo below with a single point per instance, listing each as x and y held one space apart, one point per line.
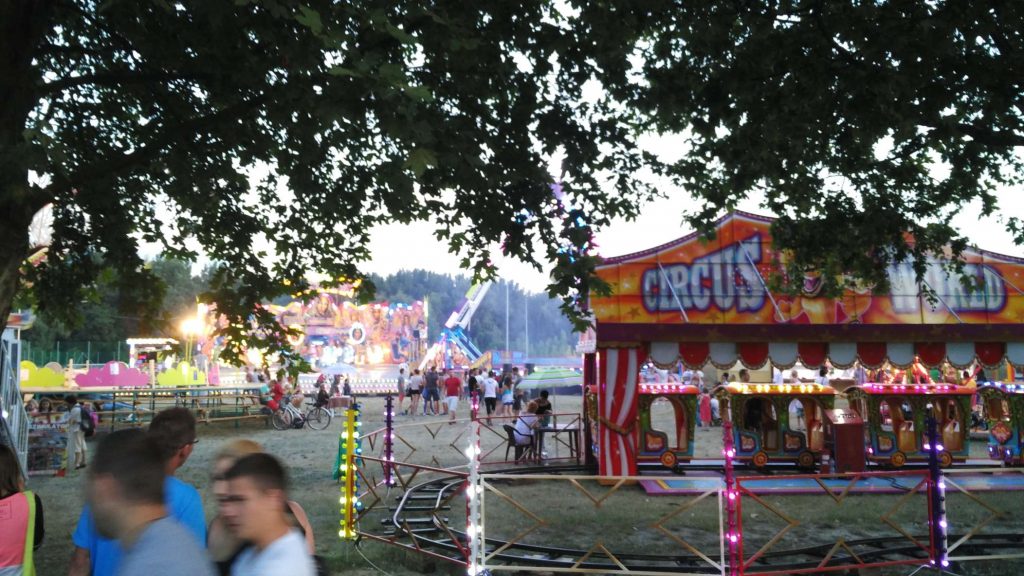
452 393
277 393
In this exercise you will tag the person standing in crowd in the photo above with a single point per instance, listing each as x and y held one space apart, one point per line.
696 378
777 377
125 492
253 510
174 432
704 402
76 435
716 419
430 392
490 387
472 383
21 519
414 389
725 379
517 378
401 389
507 397
822 378
223 546
452 394
860 375
744 375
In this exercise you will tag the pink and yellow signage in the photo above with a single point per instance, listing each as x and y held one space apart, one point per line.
723 281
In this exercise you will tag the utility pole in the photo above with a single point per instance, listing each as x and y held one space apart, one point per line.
508 348
526 329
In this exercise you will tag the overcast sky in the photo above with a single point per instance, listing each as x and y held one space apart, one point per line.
396 247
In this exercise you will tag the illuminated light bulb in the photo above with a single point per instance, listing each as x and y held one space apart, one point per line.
733 538
927 446
945 563
942 524
939 447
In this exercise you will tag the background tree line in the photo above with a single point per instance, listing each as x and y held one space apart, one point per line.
103 324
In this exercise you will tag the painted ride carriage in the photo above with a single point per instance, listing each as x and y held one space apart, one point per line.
1003 409
896 418
777 422
674 446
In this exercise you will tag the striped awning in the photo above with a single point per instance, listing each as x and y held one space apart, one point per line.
839 354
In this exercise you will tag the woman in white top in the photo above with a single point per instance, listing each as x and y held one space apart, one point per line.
413 391
525 425
822 376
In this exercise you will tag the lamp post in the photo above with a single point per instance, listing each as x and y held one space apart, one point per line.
190 327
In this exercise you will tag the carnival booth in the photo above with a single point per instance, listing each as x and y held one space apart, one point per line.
700 301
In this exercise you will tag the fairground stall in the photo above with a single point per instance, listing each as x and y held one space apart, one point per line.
700 302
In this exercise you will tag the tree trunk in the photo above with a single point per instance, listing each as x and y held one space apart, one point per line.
23 25
13 251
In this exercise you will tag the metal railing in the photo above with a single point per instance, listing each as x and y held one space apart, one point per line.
14 427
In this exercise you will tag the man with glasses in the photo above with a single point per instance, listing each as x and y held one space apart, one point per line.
174 431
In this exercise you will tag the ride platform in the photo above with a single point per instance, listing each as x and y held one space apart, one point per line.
701 482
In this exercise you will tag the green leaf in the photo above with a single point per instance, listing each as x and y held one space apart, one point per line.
343 71
419 160
310 19
421 93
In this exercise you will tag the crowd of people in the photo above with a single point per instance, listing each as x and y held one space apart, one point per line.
442 391
140 519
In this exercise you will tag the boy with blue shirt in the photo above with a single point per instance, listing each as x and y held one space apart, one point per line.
174 430
126 497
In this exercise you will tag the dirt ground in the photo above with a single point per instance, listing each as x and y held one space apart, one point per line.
310 456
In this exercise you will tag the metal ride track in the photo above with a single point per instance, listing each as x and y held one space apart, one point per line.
421 515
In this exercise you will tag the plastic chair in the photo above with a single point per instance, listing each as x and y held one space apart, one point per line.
520 450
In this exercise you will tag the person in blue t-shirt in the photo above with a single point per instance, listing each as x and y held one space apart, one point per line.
174 430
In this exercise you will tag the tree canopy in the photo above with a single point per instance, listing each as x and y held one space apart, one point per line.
866 126
149 122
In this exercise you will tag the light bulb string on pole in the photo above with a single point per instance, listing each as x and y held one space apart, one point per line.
937 496
732 502
389 435
474 551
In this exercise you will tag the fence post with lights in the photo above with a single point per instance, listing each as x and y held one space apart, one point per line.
936 495
732 505
389 435
474 504
350 448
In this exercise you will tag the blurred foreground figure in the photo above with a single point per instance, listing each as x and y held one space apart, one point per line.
254 511
126 494
174 432
21 519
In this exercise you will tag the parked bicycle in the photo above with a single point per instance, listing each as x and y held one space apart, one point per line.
288 416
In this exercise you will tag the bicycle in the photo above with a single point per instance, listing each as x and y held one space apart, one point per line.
288 416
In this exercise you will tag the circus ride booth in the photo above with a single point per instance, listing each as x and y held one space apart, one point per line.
696 302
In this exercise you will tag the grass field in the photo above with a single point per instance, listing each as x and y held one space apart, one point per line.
627 520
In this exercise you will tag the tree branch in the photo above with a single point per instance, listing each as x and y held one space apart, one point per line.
152 148
988 137
119 78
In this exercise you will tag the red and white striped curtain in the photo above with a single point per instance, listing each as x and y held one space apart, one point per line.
617 409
